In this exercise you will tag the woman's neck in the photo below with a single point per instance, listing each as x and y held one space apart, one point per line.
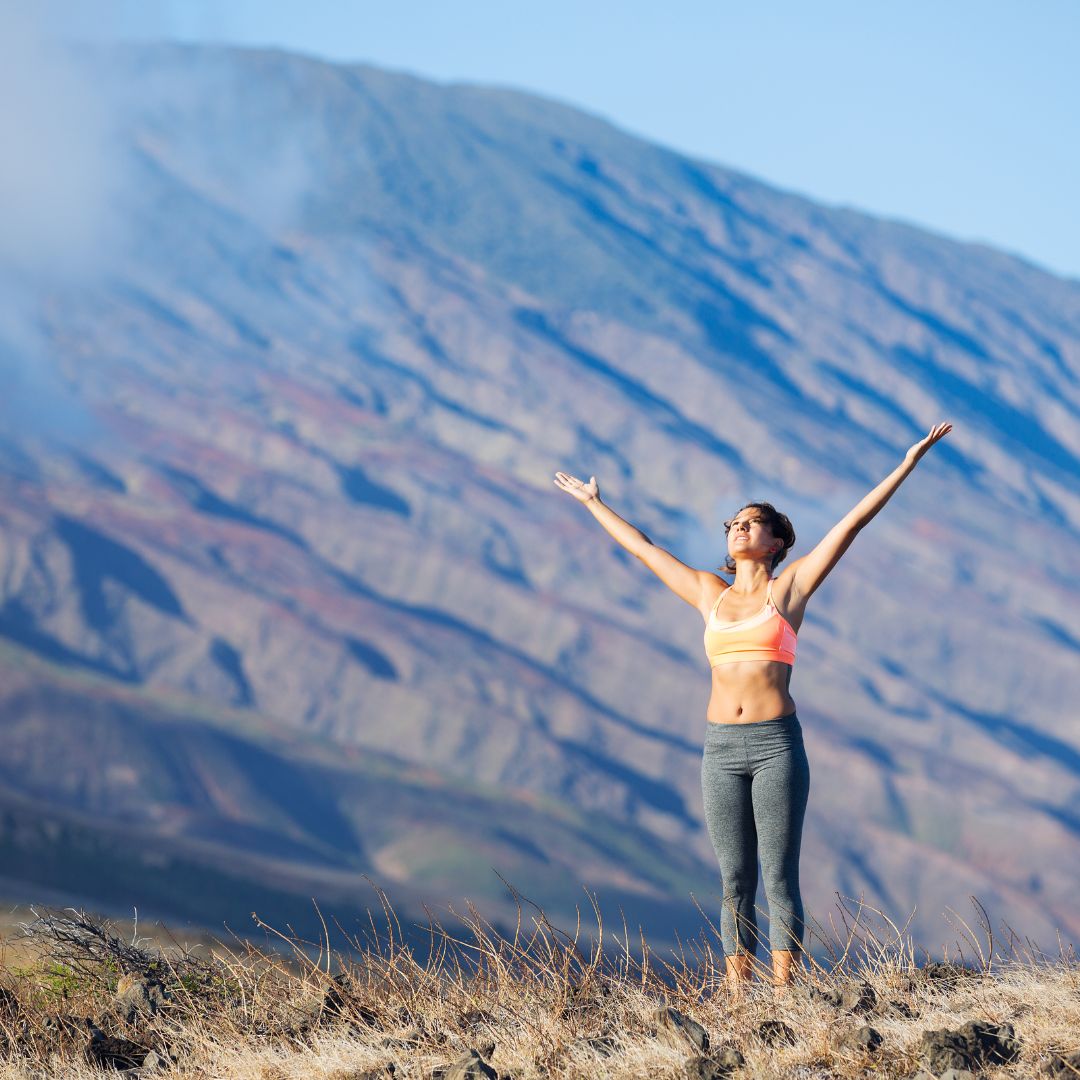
750 578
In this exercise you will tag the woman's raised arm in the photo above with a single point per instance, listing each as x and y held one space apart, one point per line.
686 582
807 573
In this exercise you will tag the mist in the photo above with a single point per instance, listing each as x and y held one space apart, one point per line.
103 142
60 176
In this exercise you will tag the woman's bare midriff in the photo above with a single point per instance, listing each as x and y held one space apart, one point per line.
749 691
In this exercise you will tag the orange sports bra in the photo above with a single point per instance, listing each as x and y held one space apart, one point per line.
764 636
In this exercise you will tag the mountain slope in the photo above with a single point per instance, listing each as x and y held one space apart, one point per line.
358 320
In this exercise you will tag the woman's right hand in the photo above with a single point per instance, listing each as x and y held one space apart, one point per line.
573 486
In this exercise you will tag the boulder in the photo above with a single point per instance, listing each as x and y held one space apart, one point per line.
997 1043
858 997
944 1049
604 1045
113 1052
776 1033
382 1072
407 1040
1062 1066
152 1061
138 997
9 1003
899 1008
719 1066
339 1002
864 1040
682 1028
943 974
971 1046
826 995
470 1066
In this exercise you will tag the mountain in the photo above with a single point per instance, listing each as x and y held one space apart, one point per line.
289 602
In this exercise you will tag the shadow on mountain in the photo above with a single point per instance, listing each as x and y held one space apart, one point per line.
640 787
537 323
17 625
305 800
1011 424
98 475
362 347
1025 741
1058 632
376 661
118 871
481 640
503 557
256 840
359 488
97 559
871 394
230 662
205 501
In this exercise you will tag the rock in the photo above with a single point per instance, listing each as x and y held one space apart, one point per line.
338 1002
900 1008
717 1067
470 1066
475 1018
66 1024
859 997
9 1003
112 1052
971 1046
864 1039
152 1061
946 973
944 1049
853 997
1062 1066
604 1045
702 1068
997 1043
138 997
776 1032
683 1028
584 999
164 1057
382 1072
824 994
957 1074
405 1041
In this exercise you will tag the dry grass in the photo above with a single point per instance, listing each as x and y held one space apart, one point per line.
529 1003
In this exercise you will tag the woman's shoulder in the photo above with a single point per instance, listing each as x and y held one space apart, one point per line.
713 586
783 599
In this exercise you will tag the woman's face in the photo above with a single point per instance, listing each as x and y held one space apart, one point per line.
749 535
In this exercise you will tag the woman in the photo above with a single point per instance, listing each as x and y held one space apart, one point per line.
754 777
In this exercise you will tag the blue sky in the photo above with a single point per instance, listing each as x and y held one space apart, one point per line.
957 115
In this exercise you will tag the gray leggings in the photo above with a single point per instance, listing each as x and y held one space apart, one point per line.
755 781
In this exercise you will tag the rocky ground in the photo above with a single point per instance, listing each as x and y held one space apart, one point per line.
76 998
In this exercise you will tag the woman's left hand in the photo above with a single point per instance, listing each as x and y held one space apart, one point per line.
937 432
